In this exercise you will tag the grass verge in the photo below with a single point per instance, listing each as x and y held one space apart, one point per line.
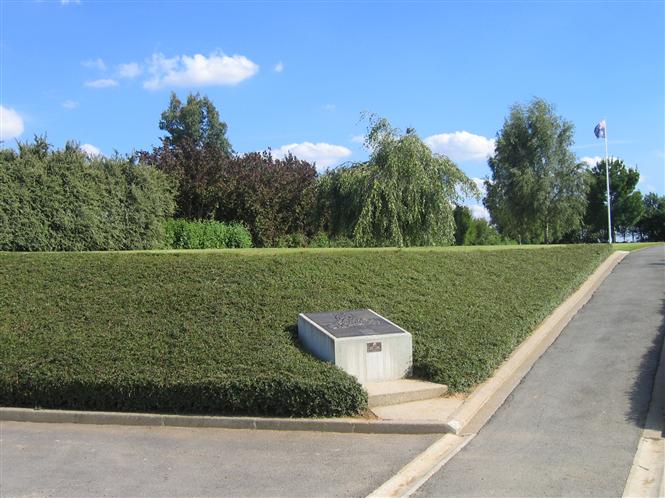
215 332
634 246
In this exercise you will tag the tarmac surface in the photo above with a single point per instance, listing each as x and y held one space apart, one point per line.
93 460
572 427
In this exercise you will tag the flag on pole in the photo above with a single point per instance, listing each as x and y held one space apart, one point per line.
599 130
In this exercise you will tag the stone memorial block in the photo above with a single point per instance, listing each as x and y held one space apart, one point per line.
360 342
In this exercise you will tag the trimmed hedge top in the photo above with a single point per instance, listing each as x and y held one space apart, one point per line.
215 332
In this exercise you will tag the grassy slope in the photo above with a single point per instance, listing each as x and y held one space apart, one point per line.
171 331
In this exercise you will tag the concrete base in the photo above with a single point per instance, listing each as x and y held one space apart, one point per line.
437 410
394 392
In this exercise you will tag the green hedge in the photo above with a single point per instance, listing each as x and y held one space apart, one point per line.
215 332
63 200
183 234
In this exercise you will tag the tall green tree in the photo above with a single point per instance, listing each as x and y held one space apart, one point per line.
652 224
626 202
537 191
194 152
403 196
481 233
195 123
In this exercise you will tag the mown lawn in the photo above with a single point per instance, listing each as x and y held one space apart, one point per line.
215 331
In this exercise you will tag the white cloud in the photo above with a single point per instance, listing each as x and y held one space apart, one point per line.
129 70
11 123
479 212
323 154
358 139
462 145
279 67
91 150
101 83
644 186
329 107
70 104
591 161
67 2
198 70
94 64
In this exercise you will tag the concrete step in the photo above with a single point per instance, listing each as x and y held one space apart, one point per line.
426 410
395 392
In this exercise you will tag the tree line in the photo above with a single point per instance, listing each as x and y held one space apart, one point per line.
405 195
402 195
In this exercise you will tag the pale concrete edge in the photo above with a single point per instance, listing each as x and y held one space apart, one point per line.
391 323
315 325
414 474
647 474
194 421
341 339
527 353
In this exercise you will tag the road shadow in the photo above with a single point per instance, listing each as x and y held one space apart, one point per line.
643 388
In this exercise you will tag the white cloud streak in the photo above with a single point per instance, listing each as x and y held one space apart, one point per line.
279 67
91 150
479 212
94 64
462 145
323 154
198 70
591 161
129 70
70 104
11 123
101 83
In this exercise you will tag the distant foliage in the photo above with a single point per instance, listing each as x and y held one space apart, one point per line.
463 220
481 233
652 225
470 231
626 202
402 196
64 200
183 234
274 198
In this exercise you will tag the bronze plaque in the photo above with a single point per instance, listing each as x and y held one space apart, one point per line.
350 323
373 347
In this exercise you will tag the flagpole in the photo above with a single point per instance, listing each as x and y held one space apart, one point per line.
607 181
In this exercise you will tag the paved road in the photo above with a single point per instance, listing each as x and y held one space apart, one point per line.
571 428
87 460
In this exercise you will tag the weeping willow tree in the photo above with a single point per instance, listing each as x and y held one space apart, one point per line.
404 195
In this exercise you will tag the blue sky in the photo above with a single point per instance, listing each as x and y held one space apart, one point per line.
296 75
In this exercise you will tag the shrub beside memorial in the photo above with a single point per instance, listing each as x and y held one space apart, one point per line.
215 332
